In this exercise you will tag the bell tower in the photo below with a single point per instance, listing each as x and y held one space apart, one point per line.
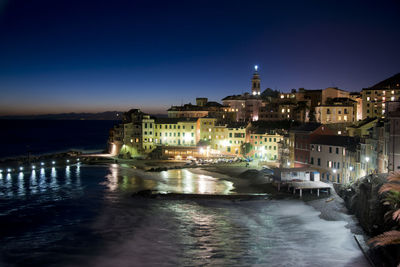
255 82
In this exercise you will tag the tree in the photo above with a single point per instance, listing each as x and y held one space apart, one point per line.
203 143
269 93
392 199
246 148
311 114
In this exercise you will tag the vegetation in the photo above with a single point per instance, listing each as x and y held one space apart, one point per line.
391 189
269 93
246 148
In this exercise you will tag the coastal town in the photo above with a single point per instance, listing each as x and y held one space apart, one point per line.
339 135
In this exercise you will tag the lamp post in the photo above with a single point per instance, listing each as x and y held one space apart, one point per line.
367 160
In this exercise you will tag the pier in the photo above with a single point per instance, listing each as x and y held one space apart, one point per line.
305 185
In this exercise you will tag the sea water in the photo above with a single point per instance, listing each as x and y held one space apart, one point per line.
86 216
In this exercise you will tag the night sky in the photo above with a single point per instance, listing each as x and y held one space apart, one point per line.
85 56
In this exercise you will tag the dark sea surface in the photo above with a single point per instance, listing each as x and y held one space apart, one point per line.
18 137
86 216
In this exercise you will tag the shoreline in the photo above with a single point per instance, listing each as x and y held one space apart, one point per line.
332 210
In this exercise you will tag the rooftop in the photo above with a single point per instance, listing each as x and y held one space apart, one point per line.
174 120
307 127
336 140
389 83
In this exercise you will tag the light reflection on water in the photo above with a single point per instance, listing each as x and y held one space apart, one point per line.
91 221
25 184
177 181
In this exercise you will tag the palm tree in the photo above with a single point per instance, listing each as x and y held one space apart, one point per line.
392 199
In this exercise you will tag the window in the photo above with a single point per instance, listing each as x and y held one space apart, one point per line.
312 160
337 150
319 148
319 162
330 149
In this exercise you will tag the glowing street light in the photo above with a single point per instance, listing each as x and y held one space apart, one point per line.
33 167
67 160
8 170
53 162
351 168
1 171
21 168
367 159
334 170
41 163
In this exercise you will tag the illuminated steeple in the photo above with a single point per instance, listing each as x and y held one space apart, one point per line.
255 82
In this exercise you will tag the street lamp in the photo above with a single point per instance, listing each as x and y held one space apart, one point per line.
367 160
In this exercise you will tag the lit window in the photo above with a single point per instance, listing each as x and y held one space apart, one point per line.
392 98
283 110
345 117
392 92
282 96
368 98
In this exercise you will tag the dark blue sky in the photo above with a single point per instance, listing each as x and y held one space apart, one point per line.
63 56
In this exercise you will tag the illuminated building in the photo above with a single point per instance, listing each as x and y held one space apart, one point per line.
264 145
335 157
246 105
375 97
337 110
203 108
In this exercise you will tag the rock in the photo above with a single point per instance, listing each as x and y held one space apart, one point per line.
362 199
253 176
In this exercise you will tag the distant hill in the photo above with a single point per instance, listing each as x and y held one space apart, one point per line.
108 115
